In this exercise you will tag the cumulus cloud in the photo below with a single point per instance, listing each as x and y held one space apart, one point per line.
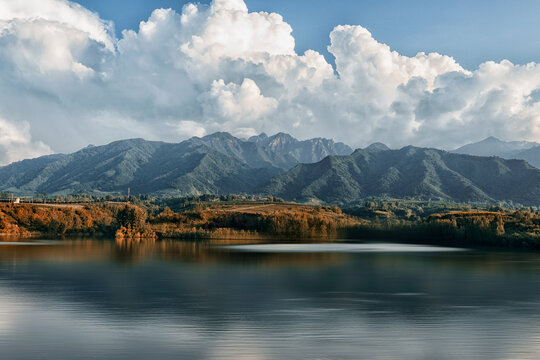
237 107
16 143
229 31
63 12
39 36
187 128
67 81
363 61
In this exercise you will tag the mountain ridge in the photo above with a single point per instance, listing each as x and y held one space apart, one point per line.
303 151
215 163
409 172
492 146
221 163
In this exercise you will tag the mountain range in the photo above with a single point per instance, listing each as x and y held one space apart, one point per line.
410 172
307 151
217 163
319 170
525 150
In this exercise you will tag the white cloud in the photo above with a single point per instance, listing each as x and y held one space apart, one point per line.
227 30
362 60
16 143
39 48
69 14
220 67
235 106
187 128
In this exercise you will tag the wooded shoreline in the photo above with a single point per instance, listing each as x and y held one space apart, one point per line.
129 222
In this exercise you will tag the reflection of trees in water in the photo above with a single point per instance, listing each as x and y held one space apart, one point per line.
73 250
137 250
212 251
203 279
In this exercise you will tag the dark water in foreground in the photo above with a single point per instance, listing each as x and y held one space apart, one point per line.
90 299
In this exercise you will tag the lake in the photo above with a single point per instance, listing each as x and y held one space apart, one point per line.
94 299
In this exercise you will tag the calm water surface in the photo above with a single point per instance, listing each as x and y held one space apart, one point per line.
93 299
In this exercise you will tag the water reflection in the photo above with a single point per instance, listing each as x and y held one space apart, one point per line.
81 250
173 300
338 248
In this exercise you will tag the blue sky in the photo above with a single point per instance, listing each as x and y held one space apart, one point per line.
470 31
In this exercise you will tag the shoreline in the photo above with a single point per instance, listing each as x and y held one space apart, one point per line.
277 221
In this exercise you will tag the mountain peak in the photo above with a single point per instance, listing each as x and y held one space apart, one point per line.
493 146
126 143
282 136
378 146
492 139
220 135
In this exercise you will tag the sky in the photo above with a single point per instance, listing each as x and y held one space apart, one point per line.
427 73
470 31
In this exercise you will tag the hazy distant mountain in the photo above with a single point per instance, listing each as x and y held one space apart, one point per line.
377 147
247 151
532 156
306 151
505 149
409 172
